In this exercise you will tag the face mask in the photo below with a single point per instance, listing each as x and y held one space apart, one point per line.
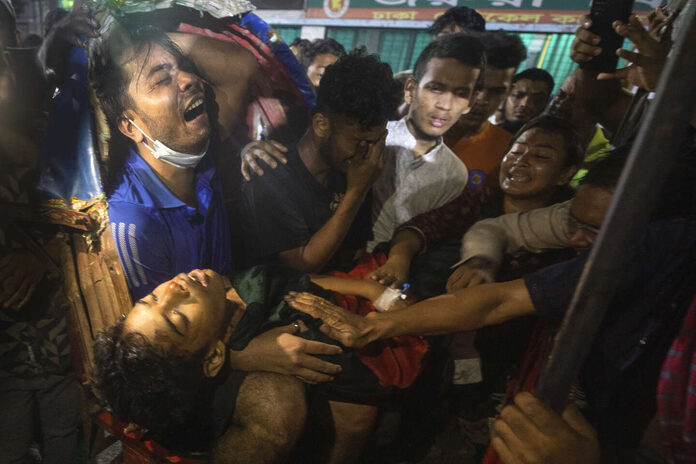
173 157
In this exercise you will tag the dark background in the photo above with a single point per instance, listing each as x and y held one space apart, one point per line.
279 4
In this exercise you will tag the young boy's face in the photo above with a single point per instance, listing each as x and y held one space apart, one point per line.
441 96
185 314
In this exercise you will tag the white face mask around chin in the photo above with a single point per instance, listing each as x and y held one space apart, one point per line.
173 157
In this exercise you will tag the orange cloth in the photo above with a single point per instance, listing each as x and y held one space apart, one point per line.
395 361
482 153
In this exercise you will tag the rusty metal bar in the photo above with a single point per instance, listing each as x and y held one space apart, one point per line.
653 154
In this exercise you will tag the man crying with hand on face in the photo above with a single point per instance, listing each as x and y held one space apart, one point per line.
303 212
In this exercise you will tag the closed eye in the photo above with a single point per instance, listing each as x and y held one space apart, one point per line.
187 321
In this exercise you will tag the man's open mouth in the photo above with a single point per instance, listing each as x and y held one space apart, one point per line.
195 109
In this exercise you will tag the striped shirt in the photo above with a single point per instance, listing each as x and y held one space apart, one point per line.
158 236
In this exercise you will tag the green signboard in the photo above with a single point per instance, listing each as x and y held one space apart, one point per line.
494 11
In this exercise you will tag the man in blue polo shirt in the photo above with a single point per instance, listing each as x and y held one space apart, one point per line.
166 204
159 235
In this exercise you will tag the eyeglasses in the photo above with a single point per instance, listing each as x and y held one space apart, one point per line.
576 224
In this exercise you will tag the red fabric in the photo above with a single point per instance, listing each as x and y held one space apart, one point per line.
396 361
144 449
676 394
529 374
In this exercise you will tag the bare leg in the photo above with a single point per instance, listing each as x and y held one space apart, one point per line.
348 427
269 417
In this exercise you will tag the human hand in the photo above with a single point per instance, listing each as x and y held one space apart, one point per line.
20 273
646 63
73 30
585 44
348 328
269 152
393 273
279 351
466 275
529 432
364 171
657 20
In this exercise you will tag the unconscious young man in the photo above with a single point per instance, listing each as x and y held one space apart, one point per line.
167 367
303 212
166 200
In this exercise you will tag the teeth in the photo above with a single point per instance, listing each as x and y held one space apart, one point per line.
195 104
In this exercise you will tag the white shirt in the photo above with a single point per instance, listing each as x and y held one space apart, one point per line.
410 185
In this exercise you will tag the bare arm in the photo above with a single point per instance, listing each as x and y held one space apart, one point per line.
405 245
367 289
280 350
321 247
466 309
229 69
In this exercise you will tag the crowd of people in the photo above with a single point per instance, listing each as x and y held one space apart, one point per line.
404 248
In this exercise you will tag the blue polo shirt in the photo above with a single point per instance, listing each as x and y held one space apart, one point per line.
159 236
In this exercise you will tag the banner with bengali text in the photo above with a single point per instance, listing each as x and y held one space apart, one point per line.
560 12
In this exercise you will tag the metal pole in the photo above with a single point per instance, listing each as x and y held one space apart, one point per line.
651 157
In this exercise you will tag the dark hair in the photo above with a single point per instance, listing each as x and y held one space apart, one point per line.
300 45
299 42
536 74
111 83
32 41
360 87
462 47
8 19
52 17
320 47
502 50
165 393
110 78
462 16
605 172
574 152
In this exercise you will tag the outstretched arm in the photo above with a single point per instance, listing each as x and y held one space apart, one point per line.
367 289
229 69
466 309
535 230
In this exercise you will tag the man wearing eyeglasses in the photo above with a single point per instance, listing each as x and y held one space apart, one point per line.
574 223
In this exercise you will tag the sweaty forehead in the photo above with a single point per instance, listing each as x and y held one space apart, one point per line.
530 86
541 137
139 60
451 72
150 326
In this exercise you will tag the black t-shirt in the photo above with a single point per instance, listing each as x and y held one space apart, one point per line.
621 371
282 209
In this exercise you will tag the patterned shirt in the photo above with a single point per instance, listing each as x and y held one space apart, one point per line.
33 339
